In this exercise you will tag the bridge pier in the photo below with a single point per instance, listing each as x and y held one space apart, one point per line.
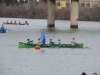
74 13
51 13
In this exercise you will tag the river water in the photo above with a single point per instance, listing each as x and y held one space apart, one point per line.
49 61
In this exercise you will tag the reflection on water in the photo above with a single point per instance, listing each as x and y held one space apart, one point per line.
42 52
49 61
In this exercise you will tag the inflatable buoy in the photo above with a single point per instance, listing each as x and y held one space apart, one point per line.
37 47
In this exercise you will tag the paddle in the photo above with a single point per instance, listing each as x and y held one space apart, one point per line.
86 47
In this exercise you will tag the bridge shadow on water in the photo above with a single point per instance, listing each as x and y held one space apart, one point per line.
55 30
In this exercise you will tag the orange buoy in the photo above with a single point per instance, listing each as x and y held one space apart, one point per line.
37 47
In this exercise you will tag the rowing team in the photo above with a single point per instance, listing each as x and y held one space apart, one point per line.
16 23
52 43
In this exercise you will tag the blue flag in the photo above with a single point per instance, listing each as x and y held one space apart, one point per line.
43 37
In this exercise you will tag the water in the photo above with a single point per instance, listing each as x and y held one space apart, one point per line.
49 61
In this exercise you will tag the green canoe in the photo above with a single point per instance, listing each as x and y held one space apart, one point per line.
25 45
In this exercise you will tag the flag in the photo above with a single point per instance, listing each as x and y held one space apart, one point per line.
43 40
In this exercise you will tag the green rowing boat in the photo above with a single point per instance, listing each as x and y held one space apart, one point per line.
25 45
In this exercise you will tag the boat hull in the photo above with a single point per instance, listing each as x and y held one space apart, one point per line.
5 23
25 45
2 31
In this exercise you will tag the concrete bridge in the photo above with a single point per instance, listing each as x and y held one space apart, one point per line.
73 16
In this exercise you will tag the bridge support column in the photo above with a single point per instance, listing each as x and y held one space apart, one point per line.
74 13
51 13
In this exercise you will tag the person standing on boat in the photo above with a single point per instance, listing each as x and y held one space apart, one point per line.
28 41
39 42
73 42
51 43
59 43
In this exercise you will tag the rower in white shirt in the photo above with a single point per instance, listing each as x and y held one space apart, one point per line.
73 42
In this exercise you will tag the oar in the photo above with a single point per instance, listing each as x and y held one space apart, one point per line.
86 47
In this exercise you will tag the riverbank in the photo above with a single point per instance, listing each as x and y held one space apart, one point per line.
39 11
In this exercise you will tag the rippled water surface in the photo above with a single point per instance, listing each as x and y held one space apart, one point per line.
49 61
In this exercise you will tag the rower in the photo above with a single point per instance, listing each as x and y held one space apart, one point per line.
25 22
19 22
51 43
59 43
7 21
15 22
11 21
39 42
73 42
28 41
